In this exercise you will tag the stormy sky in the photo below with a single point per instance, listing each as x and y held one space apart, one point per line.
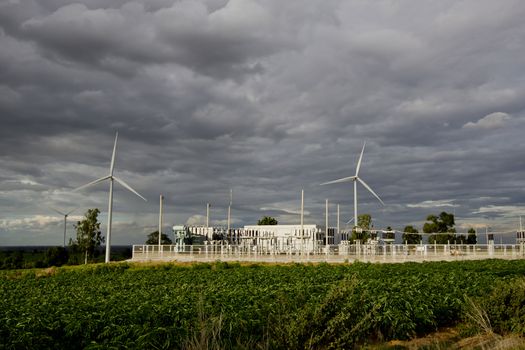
265 97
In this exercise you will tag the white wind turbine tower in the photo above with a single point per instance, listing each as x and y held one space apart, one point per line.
229 214
111 178
161 202
65 220
356 179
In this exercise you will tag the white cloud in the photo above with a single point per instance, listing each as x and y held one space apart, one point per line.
284 210
491 121
196 220
504 210
465 226
233 222
30 222
433 204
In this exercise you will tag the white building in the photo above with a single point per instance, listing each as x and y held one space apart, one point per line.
285 237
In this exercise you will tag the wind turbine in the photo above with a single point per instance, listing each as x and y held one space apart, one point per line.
161 202
356 179
111 178
228 234
65 220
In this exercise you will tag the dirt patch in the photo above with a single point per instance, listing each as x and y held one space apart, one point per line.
443 339
50 271
492 341
450 338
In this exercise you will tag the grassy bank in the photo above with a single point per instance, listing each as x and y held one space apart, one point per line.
222 305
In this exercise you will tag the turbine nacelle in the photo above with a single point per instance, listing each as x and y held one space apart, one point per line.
65 214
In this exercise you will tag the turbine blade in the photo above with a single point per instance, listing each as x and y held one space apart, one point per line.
370 189
58 211
359 161
344 179
349 221
69 212
128 187
92 183
112 166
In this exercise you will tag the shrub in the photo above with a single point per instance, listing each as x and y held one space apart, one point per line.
505 307
56 256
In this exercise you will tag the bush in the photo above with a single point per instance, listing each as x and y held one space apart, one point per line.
56 256
14 260
505 307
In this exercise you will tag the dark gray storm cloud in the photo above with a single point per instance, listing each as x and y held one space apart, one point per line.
265 97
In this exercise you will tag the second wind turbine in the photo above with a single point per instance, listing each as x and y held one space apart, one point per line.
356 179
65 221
111 178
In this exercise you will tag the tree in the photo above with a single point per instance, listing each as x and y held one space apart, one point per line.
56 256
362 231
13 260
443 224
364 221
411 235
267 220
153 238
89 236
460 239
471 237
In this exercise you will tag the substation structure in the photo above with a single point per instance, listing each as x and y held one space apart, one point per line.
309 243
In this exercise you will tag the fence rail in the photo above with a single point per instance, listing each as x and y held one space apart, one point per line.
334 253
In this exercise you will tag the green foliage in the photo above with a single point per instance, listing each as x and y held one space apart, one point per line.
471 236
505 307
444 225
56 256
410 235
460 239
29 258
442 238
362 231
89 236
228 305
364 221
22 258
359 234
153 238
267 220
12 260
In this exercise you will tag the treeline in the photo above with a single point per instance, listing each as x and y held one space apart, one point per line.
55 256
85 248
439 228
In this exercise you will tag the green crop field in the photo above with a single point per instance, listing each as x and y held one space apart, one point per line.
221 305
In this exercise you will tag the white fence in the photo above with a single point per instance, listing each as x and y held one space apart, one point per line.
336 253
